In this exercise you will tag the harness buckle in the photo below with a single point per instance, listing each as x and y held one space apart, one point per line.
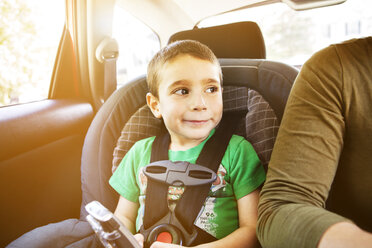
168 224
179 173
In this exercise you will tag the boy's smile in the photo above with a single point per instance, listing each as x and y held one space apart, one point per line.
190 100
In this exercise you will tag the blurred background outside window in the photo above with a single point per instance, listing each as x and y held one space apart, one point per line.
30 32
293 36
137 45
29 37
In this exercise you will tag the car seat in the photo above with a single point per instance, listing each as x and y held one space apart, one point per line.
258 85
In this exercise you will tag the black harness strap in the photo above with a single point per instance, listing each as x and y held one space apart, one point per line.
211 157
192 200
156 192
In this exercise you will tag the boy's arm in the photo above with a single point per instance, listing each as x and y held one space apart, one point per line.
126 212
244 236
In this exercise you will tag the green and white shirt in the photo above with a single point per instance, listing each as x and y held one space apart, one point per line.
239 174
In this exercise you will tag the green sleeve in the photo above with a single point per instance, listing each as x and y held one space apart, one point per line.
305 158
125 178
246 171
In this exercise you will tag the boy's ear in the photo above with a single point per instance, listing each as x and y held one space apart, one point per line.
153 104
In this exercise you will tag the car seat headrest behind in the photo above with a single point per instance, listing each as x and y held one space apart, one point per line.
235 40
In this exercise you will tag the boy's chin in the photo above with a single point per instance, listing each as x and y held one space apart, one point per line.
188 140
198 135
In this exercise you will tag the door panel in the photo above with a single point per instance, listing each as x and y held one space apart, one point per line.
40 153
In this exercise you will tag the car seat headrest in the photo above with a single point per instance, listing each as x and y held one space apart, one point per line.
235 40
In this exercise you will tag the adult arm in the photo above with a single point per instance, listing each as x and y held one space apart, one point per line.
344 235
305 158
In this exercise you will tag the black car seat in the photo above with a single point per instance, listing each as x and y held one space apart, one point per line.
250 82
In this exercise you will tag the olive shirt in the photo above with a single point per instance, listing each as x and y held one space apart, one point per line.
239 174
323 150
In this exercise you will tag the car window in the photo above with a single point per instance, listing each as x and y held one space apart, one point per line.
293 36
137 45
29 37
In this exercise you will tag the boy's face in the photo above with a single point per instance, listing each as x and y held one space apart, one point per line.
190 100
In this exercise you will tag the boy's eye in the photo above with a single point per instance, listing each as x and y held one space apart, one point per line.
212 89
181 92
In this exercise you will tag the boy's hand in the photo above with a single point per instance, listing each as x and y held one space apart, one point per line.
158 244
140 239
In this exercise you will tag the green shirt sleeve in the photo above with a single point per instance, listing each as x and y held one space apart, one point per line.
125 179
246 172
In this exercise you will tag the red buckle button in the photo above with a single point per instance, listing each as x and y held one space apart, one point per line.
164 237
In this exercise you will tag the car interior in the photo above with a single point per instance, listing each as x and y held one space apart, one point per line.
58 154
125 118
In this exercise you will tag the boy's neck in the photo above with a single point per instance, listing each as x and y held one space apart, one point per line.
180 146
183 145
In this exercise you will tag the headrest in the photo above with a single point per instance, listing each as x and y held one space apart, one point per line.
235 40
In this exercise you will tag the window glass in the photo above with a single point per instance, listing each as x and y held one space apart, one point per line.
29 37
137 45
293 36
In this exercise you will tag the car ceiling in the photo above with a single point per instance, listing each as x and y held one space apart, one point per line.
166 17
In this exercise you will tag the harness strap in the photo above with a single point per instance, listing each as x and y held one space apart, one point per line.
211 157
156 201
193 198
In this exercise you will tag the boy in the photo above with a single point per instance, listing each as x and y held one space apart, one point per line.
185 86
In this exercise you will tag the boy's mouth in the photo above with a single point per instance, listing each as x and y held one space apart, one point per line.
196 122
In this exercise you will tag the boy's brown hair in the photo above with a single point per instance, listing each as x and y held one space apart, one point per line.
168 53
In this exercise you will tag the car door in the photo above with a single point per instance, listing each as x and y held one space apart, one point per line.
41 143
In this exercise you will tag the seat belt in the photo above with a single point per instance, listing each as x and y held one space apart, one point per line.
107 52
193 198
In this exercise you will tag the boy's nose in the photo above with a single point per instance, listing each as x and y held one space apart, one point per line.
199 103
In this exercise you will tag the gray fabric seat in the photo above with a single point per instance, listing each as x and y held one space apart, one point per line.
260 86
